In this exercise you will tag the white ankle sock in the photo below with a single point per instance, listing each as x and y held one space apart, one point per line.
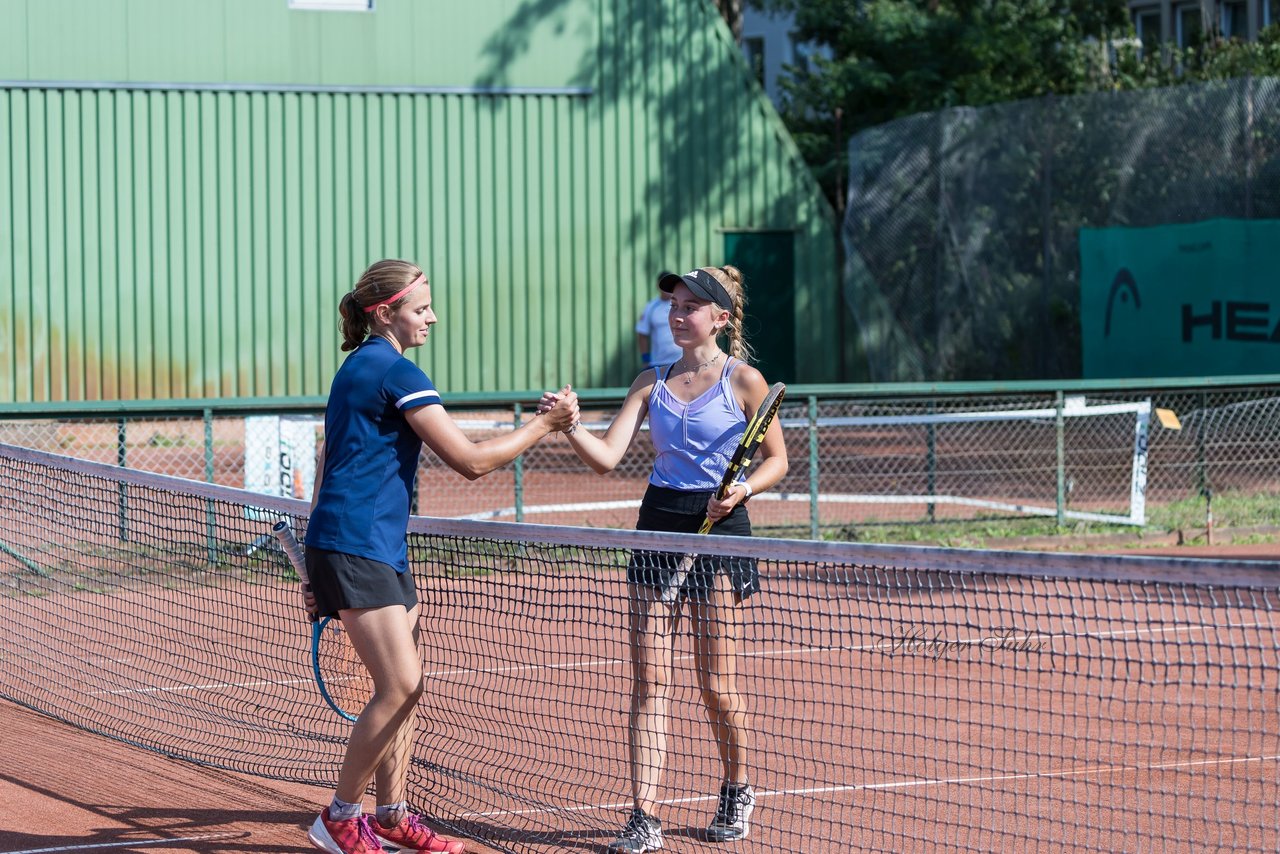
340 810
387 812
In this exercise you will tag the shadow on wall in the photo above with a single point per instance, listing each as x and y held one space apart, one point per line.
676 137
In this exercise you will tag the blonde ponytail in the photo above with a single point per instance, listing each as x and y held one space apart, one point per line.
735 330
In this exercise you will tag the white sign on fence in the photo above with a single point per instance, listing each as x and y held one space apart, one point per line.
280 455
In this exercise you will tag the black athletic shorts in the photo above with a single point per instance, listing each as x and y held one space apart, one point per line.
682 512
341 581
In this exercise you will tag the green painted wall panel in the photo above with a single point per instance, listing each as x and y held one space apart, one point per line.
8 252
14 40
489 43
98 32
195 243
37 283
125 270
152 53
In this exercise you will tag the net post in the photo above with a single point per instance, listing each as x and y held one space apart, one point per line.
122 460
1059 427
518 464
815 526
211 515
1138 480
931 464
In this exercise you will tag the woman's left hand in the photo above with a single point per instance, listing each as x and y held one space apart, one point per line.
548 402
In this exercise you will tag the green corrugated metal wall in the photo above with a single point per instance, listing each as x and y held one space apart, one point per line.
193 242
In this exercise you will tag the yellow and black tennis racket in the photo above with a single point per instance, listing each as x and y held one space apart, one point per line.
750 442
342 678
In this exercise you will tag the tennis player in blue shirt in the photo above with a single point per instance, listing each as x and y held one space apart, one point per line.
381 409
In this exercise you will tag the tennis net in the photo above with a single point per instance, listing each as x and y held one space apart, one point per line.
898 698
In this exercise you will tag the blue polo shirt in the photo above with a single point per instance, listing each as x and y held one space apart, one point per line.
370 455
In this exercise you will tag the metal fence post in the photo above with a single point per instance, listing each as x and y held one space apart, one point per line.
122 460
1202 458
931 465
1059 423
815 521
519 471
208 445
210 512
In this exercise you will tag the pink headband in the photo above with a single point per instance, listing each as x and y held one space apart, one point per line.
422 278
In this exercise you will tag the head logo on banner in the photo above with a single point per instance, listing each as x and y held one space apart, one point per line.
1181 300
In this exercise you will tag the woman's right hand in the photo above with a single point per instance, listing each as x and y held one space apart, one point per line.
309 602
560 409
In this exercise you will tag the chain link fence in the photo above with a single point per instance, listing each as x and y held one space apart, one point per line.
856 459
961 233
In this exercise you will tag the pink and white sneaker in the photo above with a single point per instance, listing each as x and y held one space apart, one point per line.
412 835
353 836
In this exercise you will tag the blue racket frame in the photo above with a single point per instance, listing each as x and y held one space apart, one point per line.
283 532
317 633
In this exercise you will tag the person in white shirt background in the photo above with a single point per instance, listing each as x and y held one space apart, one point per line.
653 331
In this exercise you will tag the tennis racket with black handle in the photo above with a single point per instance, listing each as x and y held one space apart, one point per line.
343 681
750 442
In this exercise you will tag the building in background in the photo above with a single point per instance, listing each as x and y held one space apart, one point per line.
767 45
1183 22
771 47
181 215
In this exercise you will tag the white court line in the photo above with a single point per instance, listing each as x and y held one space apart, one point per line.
128 844
825 497
889 644
901 784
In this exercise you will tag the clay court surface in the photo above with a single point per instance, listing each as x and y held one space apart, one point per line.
69 790
65 789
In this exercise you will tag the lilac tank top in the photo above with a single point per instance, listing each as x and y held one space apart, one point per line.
694 440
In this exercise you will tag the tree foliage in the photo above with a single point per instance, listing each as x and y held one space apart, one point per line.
878 60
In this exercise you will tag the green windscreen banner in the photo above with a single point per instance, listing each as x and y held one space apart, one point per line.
1181 300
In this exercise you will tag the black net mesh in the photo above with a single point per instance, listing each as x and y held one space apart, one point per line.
895 698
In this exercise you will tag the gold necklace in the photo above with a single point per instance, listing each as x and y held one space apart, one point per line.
693 372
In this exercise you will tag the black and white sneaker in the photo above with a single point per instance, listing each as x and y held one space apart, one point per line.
642 833
733 816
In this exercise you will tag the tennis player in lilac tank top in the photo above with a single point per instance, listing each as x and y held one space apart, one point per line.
698 409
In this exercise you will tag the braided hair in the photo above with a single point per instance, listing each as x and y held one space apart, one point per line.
735 329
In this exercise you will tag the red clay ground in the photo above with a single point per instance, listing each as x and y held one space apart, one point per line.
68 790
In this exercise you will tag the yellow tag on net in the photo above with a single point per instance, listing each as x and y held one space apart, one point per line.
1168 419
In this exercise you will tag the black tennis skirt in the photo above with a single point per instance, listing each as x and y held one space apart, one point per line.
341 581
682 512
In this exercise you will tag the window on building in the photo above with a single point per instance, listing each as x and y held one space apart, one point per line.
333 5
1188 25
801 53
753 50
1147 24
1235 20
1271 13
